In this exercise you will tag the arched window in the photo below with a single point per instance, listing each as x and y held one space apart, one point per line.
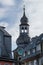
22 29
0 51
25 29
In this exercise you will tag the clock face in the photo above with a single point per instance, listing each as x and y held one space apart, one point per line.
20 51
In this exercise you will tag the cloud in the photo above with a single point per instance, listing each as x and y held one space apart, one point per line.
7 2
34 12
5 6
15 33
5 24
3 12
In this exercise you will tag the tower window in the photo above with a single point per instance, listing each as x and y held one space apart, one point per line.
22 31
26 28
25 31
22 27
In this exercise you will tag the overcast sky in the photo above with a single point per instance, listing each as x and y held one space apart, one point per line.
11 12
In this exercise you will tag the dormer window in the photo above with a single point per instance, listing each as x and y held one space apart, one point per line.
28 52
38 48
33 50
42 38
24 54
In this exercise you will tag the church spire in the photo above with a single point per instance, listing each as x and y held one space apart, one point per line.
24 38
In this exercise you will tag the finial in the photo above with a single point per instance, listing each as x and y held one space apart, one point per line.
24 10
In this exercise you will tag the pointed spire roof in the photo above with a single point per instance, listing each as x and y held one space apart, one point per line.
24 19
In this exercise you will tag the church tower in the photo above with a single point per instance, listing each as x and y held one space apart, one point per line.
23 38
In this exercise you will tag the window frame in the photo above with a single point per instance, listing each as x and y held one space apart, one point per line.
34 49
37 47
29 52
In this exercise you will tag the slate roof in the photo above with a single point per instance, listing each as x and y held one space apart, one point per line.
34 41
4 31
23 39
24 19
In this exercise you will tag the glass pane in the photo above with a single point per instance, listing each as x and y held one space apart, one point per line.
0 38
38 47
35 62
0 51
28 52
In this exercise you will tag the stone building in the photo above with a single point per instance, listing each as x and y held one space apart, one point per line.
29 50
5 47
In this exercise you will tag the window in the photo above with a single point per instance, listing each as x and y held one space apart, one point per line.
24 54
31 42
33 50
25 31
0 38
30 63
42 38
28 52
35 62
38 47
6 64
22 31
0 64
0 51
22 28
19 58
13 64
26 28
